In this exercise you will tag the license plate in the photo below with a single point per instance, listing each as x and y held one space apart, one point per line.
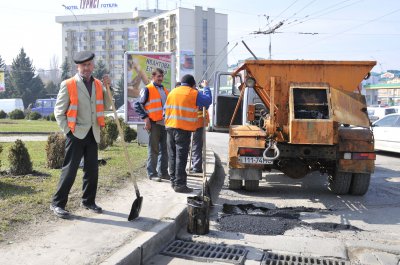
254 160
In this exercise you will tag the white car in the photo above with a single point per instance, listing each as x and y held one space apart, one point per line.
376 113
387 133
120 113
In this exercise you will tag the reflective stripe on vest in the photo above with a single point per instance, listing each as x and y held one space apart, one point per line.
72 111
200 116
181 109
153 106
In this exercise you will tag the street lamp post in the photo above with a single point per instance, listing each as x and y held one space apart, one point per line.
79 28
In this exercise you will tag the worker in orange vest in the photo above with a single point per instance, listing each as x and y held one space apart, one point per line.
197 147
150 108
181 119
79 112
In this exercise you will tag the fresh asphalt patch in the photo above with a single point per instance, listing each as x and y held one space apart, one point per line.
251 219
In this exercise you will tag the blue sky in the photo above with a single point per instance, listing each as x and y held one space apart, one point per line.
311 29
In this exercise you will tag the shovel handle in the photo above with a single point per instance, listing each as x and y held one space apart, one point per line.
121 135
204 151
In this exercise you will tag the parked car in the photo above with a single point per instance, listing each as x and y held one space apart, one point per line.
376 113
10 104
120 113
387 133
44 106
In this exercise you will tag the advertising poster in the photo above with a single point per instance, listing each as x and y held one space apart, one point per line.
138 69
186 63
2 82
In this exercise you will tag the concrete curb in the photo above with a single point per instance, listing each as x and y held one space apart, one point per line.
153 241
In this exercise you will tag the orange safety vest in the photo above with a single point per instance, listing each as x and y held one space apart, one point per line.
181 109
200 117
153 106
72 111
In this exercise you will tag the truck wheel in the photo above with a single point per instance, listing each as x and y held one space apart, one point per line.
339 183
235 184
251 185
360 183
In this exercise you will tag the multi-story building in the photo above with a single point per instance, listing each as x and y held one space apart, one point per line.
107 35
197 37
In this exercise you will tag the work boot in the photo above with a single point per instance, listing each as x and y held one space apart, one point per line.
60 212
166 177
93 207
157 179
183 189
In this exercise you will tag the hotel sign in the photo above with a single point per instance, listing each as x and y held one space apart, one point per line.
91 4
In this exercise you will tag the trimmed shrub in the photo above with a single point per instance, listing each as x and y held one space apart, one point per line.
111 129
103 139
55 150
108 134
3 114
16 114
129 134
34 115
51 117
19 159
1 150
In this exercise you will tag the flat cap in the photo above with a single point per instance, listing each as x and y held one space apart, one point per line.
83 56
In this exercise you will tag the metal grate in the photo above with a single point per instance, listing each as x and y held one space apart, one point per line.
205 252
271 258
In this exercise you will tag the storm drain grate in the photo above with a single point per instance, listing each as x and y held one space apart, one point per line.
271 258
205 252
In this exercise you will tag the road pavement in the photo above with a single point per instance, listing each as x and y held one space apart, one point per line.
302 217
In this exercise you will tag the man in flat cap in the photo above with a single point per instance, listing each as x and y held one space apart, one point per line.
79 112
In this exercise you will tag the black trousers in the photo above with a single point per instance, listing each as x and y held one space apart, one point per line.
74 150
178 142
197 149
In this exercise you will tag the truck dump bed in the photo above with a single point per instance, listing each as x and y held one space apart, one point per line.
276 78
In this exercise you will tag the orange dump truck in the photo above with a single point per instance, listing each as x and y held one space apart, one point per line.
302 116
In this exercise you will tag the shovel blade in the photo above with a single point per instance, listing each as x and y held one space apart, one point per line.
135 209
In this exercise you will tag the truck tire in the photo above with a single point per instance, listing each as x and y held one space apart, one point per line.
339 182
251 185
235 184
360 183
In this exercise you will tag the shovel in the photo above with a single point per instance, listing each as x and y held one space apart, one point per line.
137 204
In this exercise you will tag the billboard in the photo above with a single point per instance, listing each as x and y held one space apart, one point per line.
2 82
138 67
186 62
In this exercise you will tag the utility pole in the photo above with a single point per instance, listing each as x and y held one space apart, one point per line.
269 31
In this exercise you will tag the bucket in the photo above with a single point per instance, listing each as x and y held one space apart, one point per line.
198 208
